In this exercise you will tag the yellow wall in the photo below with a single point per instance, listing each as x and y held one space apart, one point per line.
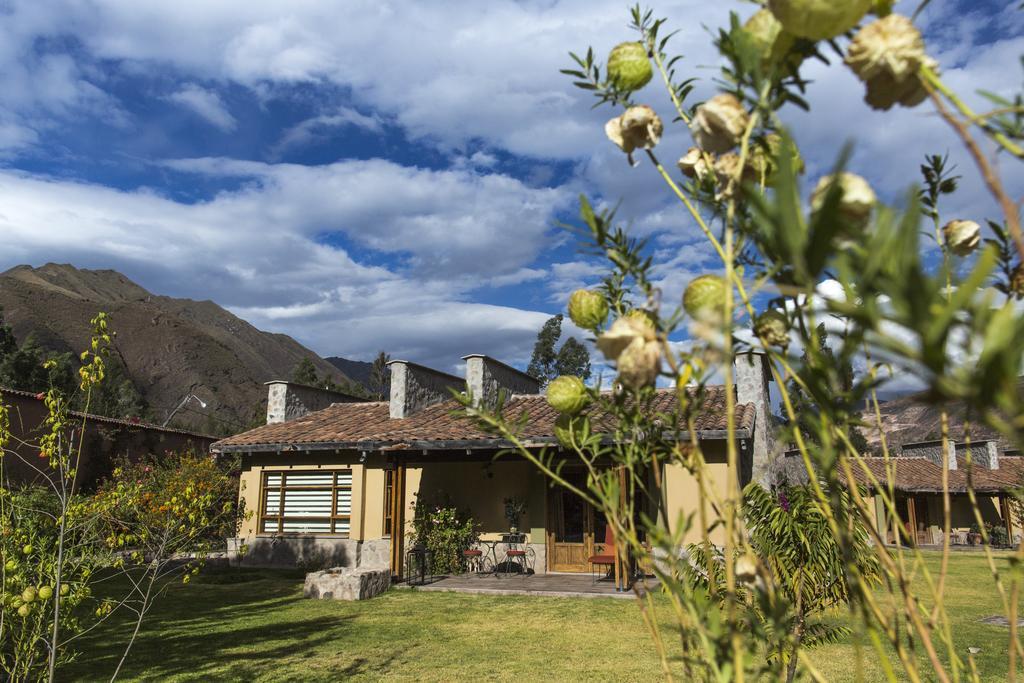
251 476
682 496
480 486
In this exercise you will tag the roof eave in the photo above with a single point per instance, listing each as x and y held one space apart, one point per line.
436 445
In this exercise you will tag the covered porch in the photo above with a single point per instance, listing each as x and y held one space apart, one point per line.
545 585
562 535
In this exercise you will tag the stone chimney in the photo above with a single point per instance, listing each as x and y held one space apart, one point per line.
934 451
488 379
750 375
414 387
983 454
288 400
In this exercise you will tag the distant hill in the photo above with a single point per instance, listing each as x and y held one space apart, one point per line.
168 345
356 370
912 418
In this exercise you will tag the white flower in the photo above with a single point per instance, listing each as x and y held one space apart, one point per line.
622 332
857 199
638 128
962 237
719 123
887 55
693 164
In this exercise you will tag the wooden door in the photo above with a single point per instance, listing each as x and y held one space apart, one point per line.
573 527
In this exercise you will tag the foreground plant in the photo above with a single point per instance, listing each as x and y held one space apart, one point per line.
741 597
153 522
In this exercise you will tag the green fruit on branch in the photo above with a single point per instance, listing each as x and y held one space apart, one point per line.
628 66
704 298
27 550
569 429
771 40
45 592
587 309
28 595
567 394
773 328
819 19
23 611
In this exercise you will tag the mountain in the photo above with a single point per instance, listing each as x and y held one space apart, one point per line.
912 418
356 370
170 346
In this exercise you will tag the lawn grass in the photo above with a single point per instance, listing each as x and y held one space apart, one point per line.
255 625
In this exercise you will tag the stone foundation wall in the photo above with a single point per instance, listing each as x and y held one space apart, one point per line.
312 552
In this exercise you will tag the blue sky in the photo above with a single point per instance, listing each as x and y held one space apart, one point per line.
368 176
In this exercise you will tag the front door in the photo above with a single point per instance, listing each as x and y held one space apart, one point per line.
575 529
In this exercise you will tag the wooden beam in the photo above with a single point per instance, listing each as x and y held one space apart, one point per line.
398 520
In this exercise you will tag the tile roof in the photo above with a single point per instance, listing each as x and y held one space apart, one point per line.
368 426
137 424
916 474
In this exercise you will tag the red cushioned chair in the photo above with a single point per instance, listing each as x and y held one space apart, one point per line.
473 559
607 559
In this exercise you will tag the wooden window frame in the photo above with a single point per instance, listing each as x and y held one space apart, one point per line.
279 520
389 478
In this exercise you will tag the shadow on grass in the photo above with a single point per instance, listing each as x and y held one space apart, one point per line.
224 628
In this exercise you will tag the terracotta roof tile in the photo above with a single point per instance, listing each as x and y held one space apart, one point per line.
358 425
916 474
138 424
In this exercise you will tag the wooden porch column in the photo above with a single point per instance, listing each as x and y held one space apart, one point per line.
620 562
398 521
912 521
1004 504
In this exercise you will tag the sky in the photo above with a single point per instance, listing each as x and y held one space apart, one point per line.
370 176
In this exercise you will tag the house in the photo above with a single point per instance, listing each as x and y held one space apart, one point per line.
105 441
915 475
332 479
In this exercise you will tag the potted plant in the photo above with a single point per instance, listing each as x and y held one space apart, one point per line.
974 535
515 508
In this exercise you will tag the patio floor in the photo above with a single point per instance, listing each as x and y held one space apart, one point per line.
550 585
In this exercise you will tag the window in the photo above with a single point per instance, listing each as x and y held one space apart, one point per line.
312 502
389 485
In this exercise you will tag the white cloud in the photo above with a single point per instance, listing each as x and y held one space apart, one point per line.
260 250
319 127
207 104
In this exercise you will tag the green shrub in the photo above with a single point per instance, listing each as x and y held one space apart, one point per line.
445 531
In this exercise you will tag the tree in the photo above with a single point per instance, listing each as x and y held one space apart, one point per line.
547 363
305 373
380 377
841 379
573 359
